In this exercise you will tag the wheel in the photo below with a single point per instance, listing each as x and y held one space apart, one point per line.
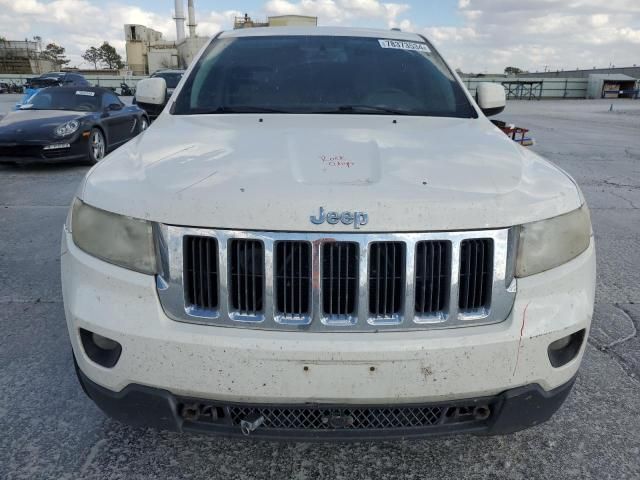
97 146
144 124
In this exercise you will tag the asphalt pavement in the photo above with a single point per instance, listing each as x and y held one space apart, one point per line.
49 429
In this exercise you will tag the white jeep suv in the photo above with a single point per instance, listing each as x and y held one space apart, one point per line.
323 236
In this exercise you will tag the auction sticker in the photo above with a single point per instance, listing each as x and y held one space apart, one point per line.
86 94
402 45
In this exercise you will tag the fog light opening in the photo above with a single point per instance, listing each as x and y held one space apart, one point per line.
101 350
104 342
565 349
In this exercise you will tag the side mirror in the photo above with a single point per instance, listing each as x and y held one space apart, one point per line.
491 98
152 91
114 107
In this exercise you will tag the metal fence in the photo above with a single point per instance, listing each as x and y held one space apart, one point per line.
534 88
542 88
97 80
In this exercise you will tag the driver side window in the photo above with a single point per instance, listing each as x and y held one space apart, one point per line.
108 99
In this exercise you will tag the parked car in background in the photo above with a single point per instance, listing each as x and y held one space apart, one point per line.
126 90
4 87
16 87
172 79
61 124
51 79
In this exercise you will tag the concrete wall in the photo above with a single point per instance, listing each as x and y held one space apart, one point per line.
188 49
162 58
293 21
137 57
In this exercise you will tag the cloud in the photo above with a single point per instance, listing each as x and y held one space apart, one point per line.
339 12
539 34
487 36
74 25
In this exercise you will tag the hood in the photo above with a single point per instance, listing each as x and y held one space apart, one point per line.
274 172
33 125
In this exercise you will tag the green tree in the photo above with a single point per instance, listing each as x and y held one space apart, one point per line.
513 71
55 53
110 56
93 55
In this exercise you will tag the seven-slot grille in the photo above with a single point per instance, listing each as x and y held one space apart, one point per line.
476 273
315 282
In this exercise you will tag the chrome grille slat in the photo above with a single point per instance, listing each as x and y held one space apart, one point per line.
335 307
334 283
386 277
201 274
432 277
293 279
475 273
247 267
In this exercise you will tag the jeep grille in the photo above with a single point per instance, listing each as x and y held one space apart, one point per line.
348 282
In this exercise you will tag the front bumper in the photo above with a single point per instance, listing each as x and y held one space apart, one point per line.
509 412
33 152
239 365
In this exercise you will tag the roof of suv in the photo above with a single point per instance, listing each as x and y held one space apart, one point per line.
328 31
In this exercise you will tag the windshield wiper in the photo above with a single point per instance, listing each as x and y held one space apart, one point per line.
355 109
238 109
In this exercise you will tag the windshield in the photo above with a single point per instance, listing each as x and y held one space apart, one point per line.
171 79
65 99
322 74
43 82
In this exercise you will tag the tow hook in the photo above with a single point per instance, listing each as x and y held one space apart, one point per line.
251 423
482 412
191 412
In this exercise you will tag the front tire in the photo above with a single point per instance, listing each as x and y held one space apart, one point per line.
97 146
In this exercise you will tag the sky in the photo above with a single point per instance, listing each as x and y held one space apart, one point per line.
474 35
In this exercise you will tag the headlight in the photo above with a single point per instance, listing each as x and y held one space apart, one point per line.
68 128
550 243
123 241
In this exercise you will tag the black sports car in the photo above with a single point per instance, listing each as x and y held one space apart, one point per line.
69 124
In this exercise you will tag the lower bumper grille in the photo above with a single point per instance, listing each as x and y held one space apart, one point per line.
347 418
20 151
57 153
317 418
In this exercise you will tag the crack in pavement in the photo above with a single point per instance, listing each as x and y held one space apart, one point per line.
621 197
625 364
4 301
621 185
93 452
628 337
